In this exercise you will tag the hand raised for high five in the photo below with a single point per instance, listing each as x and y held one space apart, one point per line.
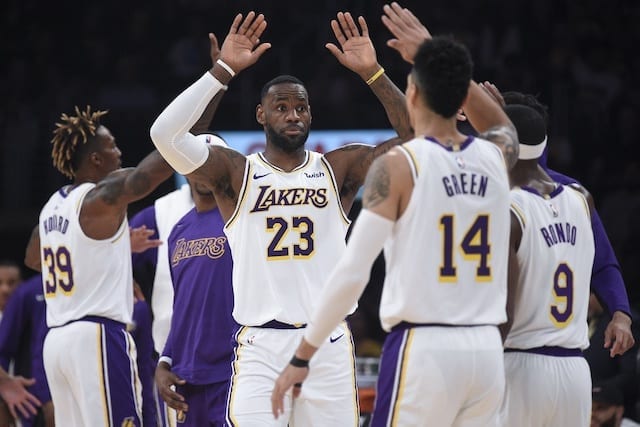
356 52
409 32
242 48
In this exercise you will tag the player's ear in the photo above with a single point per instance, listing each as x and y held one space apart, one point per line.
95 158
260 114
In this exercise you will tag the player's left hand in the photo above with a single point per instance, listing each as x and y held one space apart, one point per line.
618 336
356 52
290 377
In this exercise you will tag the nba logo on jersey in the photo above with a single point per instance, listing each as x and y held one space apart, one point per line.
460 162
128 422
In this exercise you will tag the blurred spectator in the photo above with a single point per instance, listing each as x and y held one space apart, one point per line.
607 408
10 276
621 371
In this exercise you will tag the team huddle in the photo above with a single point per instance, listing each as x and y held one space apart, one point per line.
488 258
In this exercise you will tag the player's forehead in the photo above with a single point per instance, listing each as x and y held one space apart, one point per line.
103 134
287 91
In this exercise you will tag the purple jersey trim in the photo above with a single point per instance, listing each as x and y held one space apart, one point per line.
548 351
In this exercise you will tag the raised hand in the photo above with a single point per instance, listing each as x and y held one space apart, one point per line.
408 30
214 48
493 91
356 52
242 48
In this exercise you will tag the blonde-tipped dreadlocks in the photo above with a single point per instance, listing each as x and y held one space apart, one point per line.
70 134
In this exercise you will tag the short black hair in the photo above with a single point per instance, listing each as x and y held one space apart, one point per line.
285 78
513 97
528 123
442 72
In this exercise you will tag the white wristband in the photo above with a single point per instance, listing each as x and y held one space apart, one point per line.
165 359
226 67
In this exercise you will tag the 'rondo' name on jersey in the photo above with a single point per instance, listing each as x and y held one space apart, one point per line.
289 197
55 223
559 233
465 183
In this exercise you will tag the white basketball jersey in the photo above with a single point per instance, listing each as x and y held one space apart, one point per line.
82 276
287 232
447 258
555 258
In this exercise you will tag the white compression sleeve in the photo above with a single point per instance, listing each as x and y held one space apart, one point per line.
170 131
349 277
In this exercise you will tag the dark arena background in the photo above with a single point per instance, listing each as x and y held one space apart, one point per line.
132 58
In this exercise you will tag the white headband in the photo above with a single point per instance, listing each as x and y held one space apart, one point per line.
529 152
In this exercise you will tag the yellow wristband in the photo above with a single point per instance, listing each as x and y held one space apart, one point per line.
375 76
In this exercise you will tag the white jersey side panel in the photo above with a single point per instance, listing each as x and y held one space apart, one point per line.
168 209
82 276
555 258
448 255
286 234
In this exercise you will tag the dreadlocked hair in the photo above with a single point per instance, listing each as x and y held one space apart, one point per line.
70 135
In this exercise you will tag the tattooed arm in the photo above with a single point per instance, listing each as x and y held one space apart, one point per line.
105 206
356 52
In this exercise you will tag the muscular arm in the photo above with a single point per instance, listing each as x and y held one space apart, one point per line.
351 163
512 280
490 120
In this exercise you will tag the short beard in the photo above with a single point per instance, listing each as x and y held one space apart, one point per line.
285 143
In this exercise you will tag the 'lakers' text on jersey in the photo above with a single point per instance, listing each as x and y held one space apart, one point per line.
82 276
274 230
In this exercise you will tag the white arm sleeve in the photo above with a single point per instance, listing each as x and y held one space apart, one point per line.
349 277
170 131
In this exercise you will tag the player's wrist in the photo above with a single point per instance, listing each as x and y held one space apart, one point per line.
299 362
166 361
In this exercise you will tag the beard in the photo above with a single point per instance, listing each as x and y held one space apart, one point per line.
286 143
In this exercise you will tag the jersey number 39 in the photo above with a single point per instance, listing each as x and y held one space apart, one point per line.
59 273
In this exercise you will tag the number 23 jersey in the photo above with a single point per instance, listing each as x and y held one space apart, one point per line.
286 234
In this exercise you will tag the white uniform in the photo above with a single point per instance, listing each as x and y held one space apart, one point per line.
445 290
548 380
287 232
88 355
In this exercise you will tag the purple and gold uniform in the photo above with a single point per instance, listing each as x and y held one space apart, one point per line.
89 357
200 342
548 380
22 333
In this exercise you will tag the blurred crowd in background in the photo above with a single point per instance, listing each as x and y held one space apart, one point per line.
131 58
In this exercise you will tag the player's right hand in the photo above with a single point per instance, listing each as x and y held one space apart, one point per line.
165 379
242 48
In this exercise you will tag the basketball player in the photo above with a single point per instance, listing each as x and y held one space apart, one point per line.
548 379
199 351
606 278
439 206
85 251
285 213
